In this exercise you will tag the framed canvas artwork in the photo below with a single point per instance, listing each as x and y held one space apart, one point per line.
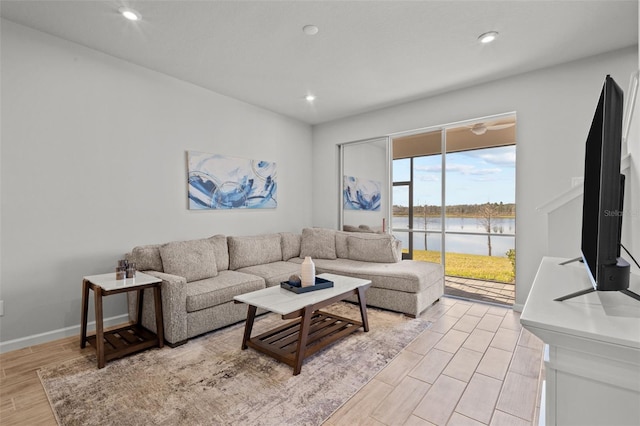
361 194
222 182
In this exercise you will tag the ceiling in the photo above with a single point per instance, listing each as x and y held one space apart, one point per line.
367 54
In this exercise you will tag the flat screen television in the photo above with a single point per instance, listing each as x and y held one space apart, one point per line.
604 197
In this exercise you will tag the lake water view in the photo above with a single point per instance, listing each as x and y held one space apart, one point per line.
470 244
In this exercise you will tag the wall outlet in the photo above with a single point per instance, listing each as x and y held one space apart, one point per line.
1 308
577 181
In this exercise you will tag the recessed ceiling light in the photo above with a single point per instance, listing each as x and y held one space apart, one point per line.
130 14
488 37
310 98
310 29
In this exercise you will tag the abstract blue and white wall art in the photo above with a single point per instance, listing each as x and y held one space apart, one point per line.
361 194
221 182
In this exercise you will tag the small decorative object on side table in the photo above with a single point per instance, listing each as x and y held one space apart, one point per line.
129 338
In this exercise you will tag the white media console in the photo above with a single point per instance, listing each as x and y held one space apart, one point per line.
592 351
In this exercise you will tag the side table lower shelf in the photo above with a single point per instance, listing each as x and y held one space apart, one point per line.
125 340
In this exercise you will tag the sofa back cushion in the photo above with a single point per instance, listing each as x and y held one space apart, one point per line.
318 243
290 245
194 260
383 249
146 258
342 251
254 250
220 251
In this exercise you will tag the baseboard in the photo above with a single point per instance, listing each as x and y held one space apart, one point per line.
36 339
518 307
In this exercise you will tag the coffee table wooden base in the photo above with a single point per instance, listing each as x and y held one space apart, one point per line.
314 330
282 343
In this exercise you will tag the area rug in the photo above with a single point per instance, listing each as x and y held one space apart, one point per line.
211 381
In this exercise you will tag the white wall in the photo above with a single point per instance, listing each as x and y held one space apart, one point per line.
554 108
94 163
631 218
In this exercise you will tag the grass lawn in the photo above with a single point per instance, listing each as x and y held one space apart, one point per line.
490 268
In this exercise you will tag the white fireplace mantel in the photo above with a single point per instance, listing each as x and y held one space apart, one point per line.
592 365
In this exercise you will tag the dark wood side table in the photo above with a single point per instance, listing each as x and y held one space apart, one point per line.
129 338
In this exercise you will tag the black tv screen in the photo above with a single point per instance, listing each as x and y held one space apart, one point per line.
603 188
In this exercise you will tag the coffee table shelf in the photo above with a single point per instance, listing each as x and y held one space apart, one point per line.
311 329
282 343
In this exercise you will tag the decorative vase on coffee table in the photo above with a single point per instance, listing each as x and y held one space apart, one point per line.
308 272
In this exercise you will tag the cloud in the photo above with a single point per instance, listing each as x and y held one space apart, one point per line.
507 159
482 172
429 178
463 169
429 169
502 156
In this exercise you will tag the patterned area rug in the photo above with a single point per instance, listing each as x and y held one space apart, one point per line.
210 381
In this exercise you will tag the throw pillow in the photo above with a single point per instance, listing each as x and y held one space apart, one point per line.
342 250
290 245
254 250
220 251
318 243
147 258
380 250
194 260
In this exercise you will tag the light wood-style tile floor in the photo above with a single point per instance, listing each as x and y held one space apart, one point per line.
22 397
474 366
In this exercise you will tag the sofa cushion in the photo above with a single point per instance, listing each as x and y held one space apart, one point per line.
410 276
220 251
273 273
290 245
318 243
383 249
146 258
254 250
342 251
215 291
360 228
194 259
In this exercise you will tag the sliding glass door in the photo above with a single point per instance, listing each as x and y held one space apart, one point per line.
417 216
454 203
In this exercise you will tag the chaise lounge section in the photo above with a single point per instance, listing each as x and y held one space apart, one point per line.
201 277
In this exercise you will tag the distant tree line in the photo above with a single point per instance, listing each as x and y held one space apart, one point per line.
462 210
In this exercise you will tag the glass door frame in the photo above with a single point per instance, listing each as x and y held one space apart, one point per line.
409 184
443 151
386 208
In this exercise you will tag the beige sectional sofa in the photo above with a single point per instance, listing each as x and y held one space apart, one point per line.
201 277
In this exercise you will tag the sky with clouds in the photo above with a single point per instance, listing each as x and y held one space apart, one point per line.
473 177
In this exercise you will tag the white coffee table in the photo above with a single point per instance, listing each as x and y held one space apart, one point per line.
313 330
